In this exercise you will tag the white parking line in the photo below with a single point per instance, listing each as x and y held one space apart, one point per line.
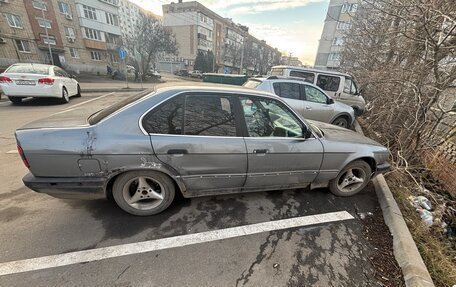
165 243
91 100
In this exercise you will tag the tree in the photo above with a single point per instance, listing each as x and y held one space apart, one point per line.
151 38
204 61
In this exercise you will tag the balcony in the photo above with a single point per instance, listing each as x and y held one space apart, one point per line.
92 44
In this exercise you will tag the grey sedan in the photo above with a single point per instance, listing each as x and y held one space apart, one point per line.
195 141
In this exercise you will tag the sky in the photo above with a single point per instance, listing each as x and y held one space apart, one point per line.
292 26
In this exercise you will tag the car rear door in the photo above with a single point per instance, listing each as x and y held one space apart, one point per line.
278 154
290 93
197 135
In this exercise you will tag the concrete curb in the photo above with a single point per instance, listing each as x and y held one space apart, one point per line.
112 90
405 251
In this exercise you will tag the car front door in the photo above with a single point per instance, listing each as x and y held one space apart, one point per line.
197 135
279 155
349 94
316 105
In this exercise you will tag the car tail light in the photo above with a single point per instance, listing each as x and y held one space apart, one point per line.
46 81
4 79
21 153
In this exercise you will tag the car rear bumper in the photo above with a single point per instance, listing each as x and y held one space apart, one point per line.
66 187
41 91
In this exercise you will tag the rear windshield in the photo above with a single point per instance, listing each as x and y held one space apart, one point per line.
29 69
252 84
101 114
276 72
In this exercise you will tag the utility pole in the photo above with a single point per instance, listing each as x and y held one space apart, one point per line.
46 28
242 55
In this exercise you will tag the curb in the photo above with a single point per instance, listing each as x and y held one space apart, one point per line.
107 90
405 251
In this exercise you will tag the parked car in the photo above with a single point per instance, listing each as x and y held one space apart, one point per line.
182 73
25 80
307 99
153 74
196 74
340 86
193 140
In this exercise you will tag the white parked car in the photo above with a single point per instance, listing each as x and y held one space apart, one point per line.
307 99
24 80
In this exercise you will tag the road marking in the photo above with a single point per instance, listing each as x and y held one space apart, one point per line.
165 243
12 151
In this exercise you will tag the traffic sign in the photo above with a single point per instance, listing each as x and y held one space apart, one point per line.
122 53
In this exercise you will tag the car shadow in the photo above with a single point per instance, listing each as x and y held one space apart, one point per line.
29 102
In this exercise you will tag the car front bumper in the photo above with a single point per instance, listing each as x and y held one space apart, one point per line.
67 187
381 168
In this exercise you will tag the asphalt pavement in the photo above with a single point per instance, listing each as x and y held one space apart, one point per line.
318 253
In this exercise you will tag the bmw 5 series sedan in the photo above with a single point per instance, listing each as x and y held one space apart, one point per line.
24 80
195 141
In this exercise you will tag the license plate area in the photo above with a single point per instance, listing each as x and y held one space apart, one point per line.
25 82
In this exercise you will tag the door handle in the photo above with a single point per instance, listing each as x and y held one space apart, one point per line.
308 108
260 151
178 151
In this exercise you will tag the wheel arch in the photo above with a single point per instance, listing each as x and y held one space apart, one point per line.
342 115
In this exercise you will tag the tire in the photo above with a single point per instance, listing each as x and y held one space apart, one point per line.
346 184
341 122
65 96
146 199
79 92
15 100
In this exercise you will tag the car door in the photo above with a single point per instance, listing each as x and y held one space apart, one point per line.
316 104
197 135
71 83
349 94
290 93
279 156
60 75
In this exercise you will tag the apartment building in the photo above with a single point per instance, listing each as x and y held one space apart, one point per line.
16 34
337 24
129 17
198 28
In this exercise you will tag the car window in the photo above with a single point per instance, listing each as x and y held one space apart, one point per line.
328 83
60 73
287 90
209 115
276 72
252 84
314 95
167 118
354 89
347 85
269 118
29 69
307 76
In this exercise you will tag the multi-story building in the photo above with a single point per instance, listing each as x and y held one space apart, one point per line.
337 24
16 35
197 28
99 21
129 17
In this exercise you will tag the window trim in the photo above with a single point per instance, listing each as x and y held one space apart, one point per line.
76 54
243 127
38 8
20 21
26 52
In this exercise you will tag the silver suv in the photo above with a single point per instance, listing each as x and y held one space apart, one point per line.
307 99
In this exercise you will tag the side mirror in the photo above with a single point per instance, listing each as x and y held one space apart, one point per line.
306 132
360 92
330 101
72 76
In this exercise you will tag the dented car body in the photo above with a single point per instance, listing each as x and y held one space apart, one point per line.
194 140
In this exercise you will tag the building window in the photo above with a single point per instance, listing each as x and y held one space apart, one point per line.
112 2
40 5
44 23
349 8
92 34
23 46
114 58
89 12
14 20
64 8
48 39
338 41
74 53
343 25
95 55
334 57
112 19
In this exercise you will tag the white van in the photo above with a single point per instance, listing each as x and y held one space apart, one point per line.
341 87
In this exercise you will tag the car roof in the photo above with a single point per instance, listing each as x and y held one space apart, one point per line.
311 70
215 89
278 79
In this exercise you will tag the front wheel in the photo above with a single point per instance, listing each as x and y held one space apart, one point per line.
341 122
143 192
352 179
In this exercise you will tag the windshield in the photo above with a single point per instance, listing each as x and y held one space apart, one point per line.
252 84
29 69
101 114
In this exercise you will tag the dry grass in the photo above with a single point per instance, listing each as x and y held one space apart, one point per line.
437 251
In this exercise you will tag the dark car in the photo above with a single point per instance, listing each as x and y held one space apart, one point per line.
181 73
195 141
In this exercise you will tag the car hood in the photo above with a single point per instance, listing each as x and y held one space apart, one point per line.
341 107
335 133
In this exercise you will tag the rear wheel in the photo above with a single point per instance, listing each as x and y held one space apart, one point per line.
341 122
15 100
352 179
65 97
143 192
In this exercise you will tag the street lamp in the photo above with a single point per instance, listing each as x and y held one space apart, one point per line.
46 28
